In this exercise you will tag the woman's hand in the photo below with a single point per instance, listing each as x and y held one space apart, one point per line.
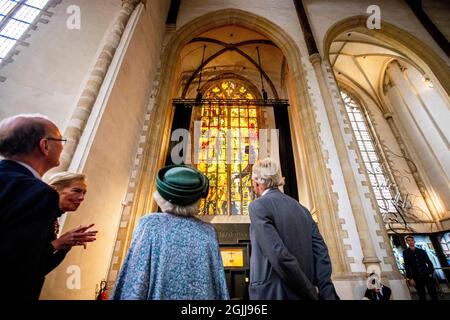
75 237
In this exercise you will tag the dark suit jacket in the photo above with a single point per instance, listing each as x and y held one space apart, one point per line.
289 256
417 263
373 295
28 209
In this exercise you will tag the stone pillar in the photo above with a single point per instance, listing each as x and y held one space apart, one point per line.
411 165
429 144
435 102
370 258
89 95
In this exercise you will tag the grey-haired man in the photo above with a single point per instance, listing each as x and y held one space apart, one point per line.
289 258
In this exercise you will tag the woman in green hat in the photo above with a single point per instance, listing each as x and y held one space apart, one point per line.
174 255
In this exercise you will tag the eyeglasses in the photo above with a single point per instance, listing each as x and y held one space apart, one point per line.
63 140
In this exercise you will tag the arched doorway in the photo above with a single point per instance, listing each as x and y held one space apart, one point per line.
232 121
313 177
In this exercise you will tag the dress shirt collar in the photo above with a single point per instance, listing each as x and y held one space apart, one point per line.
34 172
267 191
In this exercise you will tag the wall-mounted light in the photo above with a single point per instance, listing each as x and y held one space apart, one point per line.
427 81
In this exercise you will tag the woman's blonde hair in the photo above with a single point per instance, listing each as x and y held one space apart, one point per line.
267 173
184 211
63 179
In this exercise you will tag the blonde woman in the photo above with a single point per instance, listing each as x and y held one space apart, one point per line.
72 188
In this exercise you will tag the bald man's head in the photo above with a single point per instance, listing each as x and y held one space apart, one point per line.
20 135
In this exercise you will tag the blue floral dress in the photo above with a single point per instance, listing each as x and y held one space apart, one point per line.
172 258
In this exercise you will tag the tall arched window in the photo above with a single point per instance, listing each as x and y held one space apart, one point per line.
228 148
16 17
378 179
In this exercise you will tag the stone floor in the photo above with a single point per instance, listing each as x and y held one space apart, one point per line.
443 293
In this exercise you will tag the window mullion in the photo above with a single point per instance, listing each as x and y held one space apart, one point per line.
370 147
11 13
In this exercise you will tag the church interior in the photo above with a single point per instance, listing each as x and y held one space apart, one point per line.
350 97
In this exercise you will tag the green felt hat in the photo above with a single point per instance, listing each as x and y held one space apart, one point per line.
181 185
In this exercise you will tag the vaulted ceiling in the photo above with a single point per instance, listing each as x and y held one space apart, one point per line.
361 60
228 51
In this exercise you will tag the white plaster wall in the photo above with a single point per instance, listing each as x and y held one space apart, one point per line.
47 76
425 162
322 14
399 289
280 12
110 156
350 290
435 117
429 143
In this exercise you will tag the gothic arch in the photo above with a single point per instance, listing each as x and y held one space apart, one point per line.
310 158
227 76
413 48
229 47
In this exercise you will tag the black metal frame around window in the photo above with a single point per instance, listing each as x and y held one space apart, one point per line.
11 16
182 116
379 180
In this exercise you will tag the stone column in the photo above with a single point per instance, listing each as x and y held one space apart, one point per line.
411 166
370 258
425 136
90 93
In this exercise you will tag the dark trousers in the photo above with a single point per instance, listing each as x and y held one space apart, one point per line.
421 283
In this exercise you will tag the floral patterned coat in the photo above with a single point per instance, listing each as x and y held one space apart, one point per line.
172 258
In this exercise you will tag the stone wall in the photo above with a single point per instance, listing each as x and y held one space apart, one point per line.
47 76
109 147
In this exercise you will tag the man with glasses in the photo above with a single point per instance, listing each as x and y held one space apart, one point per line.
30 145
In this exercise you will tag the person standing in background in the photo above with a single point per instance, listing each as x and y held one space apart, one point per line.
419 270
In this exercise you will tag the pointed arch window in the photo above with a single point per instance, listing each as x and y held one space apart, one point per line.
232 128
379 180
16 17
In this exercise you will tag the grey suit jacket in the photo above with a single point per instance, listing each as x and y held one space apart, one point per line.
289 256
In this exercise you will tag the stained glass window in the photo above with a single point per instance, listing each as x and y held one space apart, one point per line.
377 176
16 16
228 148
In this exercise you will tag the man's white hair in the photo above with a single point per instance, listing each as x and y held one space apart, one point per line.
267 173
185 211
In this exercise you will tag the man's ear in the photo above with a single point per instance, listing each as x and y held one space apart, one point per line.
43 146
